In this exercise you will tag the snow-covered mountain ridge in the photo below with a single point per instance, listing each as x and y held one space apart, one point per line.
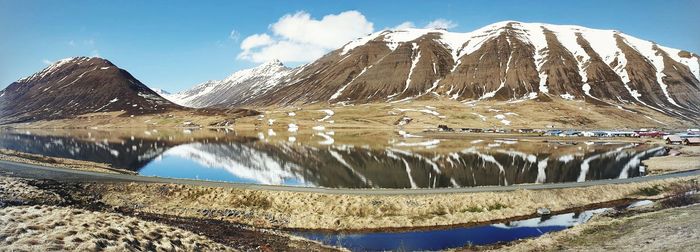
506 61
239 87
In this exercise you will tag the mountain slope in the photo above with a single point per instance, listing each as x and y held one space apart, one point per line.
78 86
506 61
238 88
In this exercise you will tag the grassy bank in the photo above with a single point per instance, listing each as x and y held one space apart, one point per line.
655 228
682 158
44 215
48 228
422 113
280 209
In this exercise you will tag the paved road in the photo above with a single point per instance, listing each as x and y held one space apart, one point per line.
8 168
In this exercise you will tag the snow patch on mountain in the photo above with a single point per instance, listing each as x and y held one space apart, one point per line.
655 58
53 68
240 86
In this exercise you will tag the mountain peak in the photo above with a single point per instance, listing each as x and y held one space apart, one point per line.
62 64
272 62
76 86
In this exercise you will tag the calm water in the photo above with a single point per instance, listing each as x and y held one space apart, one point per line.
435 240
350 159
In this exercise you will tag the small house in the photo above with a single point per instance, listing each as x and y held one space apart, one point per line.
526 131
692 141
570 133
674 139
654 134
596 133
443 127
552 132
474 130
621 133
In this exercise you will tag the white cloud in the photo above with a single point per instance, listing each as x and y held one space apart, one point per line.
286 51
300 38
331 31
47 62
404 25
441 23
71 43
256 40
234 35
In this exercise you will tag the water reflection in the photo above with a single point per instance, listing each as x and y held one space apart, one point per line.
339 159
436 240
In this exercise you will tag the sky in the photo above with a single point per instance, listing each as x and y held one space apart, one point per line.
175 45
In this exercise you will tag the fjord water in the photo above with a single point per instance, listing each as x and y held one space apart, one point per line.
440 239
342 159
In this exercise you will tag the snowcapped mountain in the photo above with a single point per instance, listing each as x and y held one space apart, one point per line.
240 87
504 61
160 92
76 86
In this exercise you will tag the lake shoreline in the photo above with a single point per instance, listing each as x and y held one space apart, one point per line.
320 211
68 199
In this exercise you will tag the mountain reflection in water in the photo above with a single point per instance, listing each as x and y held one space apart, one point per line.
313 160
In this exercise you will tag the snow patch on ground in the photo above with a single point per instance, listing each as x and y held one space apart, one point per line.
327 140
502 118
568 96
329 114
292 127
425 143
482 117
404 134
426 111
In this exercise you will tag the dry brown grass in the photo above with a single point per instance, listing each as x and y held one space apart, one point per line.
525 114
331 211
673 229
27 158
15 189
46 228
688 159
120 120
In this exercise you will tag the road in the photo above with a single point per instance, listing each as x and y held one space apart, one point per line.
14 169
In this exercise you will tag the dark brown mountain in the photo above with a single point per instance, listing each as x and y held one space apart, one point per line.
78 86
503 61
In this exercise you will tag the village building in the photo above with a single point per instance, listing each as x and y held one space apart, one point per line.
674 139
692 141
526 130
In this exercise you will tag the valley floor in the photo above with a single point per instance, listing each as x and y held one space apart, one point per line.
251 217
409 115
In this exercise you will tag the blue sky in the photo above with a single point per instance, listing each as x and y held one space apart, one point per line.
176 44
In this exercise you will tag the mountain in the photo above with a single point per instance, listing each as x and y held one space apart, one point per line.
240 87
161 92
505 61
78 86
